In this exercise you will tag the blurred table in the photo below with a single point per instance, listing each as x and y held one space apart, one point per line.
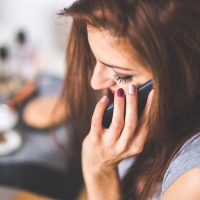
39 165
14 194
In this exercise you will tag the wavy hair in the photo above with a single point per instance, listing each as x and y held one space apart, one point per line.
165 35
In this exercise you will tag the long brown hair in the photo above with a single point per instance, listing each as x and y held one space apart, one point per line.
165 35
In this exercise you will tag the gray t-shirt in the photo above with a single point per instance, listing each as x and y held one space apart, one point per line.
187 158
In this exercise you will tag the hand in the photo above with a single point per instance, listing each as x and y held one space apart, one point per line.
102 149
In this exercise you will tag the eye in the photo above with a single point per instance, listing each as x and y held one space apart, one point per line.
123 79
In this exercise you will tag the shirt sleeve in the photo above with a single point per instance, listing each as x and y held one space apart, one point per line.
187 159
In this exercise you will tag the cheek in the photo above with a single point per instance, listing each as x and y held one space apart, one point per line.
123 86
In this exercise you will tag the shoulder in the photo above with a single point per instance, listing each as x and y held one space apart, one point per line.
183 171
185 187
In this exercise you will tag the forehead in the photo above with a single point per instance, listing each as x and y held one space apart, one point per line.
106 46
102 33
111 50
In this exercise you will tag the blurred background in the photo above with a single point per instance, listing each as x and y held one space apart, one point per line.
45 30
33 163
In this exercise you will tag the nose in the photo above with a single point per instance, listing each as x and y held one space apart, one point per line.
101 78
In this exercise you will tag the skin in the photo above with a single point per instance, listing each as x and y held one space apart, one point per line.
109 53
103 149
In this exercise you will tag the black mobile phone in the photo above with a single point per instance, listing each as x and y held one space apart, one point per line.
143 92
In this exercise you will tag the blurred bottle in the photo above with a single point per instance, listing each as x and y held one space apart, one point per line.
25 56
9 81
4 60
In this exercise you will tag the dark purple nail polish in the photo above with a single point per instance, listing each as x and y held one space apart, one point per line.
120 92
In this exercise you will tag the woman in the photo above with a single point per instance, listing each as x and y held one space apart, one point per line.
116 46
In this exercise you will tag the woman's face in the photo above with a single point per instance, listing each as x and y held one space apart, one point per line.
114 68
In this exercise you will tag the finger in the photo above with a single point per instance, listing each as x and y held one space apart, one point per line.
133 143
142 132
131 118
118 113
96 123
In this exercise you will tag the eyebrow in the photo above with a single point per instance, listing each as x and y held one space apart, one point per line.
117 67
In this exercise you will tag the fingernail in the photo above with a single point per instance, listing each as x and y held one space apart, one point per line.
104 99
120 92
131 89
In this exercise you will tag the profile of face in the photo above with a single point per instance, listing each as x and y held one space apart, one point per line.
114 67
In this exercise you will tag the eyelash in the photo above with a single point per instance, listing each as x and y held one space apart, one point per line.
125 79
